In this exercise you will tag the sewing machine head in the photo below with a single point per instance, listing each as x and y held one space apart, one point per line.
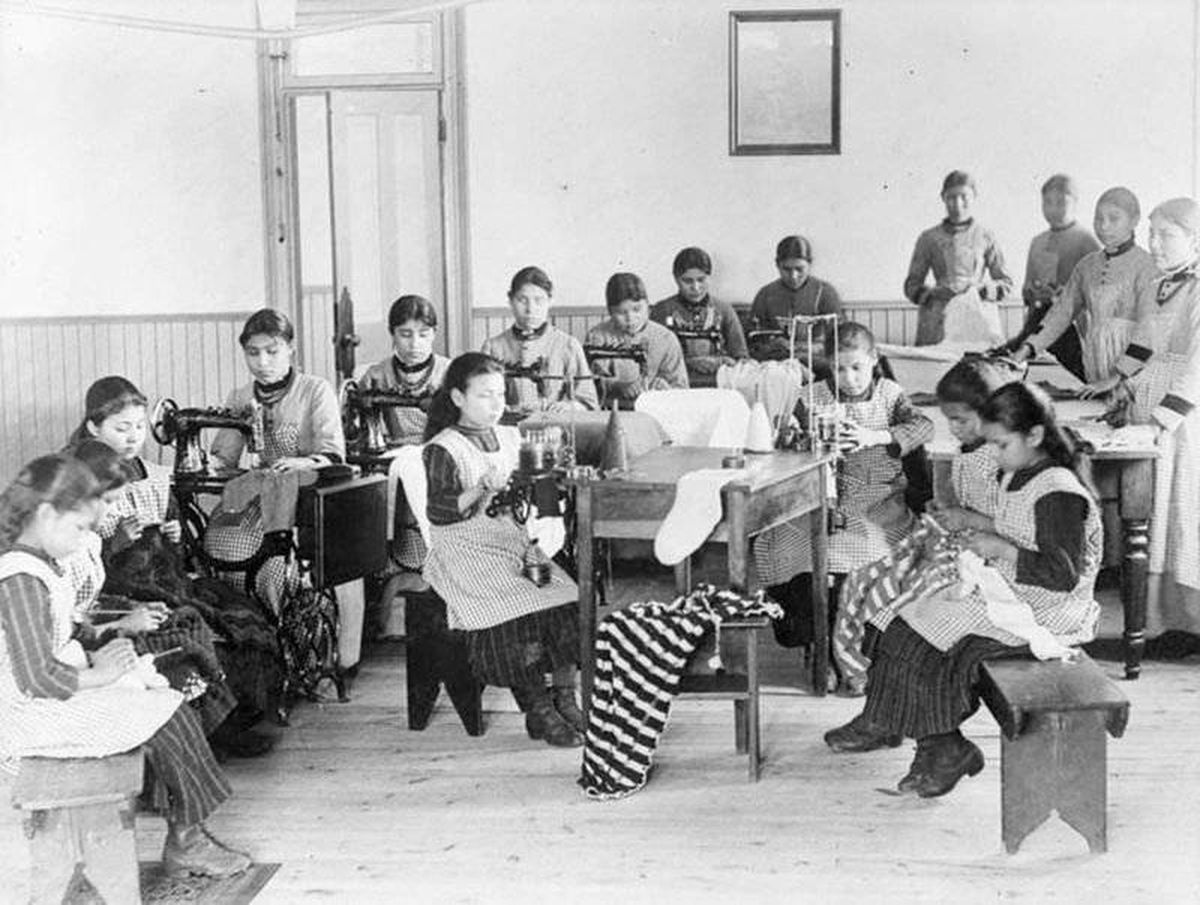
685 331
363 414
181 427
616 351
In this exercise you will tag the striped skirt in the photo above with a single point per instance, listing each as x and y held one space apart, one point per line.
521 651
915 690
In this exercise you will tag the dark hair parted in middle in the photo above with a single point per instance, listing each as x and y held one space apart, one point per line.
412 308
104 462
790 247
1019 408
970 382
691 258
622 286
530 276
268 322
442 411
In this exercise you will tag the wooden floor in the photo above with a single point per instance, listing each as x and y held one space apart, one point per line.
359 809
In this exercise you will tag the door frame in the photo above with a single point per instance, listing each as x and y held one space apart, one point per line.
278 155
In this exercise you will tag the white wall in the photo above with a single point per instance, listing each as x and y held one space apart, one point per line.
129 167
598 134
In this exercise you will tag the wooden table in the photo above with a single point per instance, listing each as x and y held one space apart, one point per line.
778 487
1122 475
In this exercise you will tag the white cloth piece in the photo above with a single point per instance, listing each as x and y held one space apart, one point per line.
409 467
698 417
970 319
1007 611
776 384
694 514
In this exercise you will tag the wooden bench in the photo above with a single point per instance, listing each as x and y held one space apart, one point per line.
436 656
736 680
79 814
1053 756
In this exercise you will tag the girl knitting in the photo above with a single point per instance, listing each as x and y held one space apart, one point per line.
142 561
873 592
878 426
1045 544
413 369
961 254
545 363
517 628
96 708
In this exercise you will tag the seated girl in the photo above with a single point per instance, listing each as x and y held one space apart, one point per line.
796 292
142 561
961 254
413 369
693 310
554 360
1045 543
629 324
519 624
301 431
49 708
878 425
1103 295
870 591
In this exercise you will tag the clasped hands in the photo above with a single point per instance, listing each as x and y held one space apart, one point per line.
131 527
978 534
146 617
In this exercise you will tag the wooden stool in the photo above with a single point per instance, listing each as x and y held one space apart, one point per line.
436 656
736 680
79 812
1053 716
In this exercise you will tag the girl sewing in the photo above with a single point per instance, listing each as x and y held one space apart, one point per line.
413 370
301 430
142 561
518 627
55 704
543 363
1045 544
962 256
878 425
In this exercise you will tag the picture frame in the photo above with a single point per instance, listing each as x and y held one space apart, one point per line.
785 82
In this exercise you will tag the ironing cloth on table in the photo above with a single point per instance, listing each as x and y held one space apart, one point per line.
641 654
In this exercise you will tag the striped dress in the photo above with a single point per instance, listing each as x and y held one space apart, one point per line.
870 489
515 630
1164 365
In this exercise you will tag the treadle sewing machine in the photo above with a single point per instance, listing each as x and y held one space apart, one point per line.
685 331
624 351
171 425
364 416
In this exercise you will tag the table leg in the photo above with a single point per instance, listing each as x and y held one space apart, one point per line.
584 551
739 544
819 526
1137 492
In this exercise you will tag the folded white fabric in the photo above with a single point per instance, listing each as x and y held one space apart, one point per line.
409 468
694 514
698 417
1007 611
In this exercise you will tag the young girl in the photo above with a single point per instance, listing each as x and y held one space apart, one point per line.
1161 374
796 291
692 308
879 425
629 324
1103 295
533 342
412 369
1045 540
517 629
301 431
142 561
872 593
51 709
961 254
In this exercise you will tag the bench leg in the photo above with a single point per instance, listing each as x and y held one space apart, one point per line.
53 855
1057 763
110 852
466 691
753 723
423 679
741 727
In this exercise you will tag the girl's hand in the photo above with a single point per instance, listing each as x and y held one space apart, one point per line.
494 480
172 531
114 659
991 546
854 436
1099 387
292 463
143 619
130 528
952 518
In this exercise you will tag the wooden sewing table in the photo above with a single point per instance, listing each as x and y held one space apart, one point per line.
778 487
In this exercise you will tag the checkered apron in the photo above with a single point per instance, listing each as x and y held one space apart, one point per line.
93 722
974 478
947 615
475 564
870 493
146 500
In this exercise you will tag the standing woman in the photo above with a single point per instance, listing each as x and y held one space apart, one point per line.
301 431
1161 371
961 254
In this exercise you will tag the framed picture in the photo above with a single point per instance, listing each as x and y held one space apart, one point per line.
785 82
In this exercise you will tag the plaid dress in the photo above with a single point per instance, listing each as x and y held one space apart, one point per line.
516 630
870 490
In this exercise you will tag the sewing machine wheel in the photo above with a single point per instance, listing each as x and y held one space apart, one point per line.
163 421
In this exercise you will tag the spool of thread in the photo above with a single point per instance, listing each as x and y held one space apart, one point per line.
737 460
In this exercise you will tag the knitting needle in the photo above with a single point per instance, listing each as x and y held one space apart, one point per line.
168 652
